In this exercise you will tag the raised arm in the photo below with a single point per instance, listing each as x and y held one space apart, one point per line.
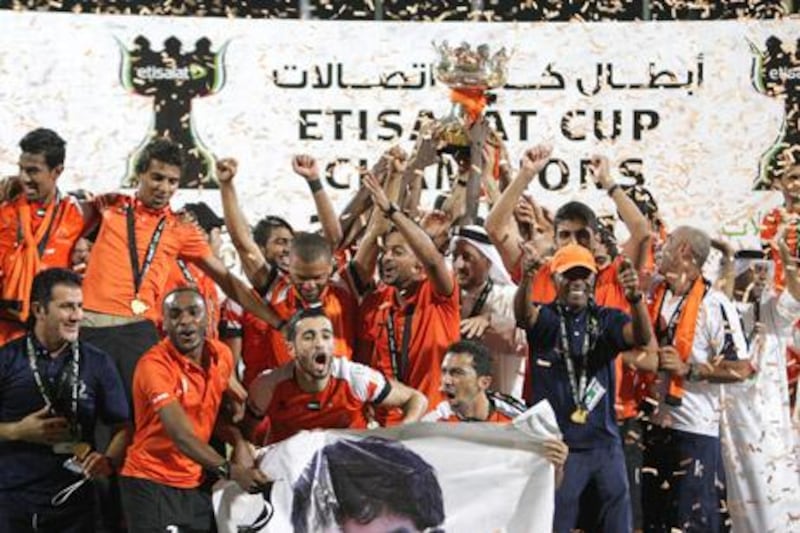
525 311
500 223
638 332
306 166
727 273
238 291
423 156
366 256
419 241
255 266
634 220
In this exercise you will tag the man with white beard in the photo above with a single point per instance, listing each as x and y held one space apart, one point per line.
759 443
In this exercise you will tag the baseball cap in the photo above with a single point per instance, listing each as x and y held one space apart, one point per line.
572 256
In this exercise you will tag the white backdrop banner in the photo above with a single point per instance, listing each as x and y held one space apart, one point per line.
443 477
693 110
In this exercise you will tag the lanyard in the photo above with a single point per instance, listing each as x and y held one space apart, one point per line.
400 357
666 336
481 301
186 272
138 274
756 320
577 381
73 375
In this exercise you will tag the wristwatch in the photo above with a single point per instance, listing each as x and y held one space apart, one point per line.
693 375
224 470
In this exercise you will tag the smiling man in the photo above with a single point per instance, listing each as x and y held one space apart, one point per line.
53 390
177 392
317 390
573 346
38 228
139 241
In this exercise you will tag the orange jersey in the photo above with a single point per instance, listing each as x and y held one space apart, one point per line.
502 410
25 227
255 335
769 230
162 376
190 275
108 286
66 228
339 405
435 325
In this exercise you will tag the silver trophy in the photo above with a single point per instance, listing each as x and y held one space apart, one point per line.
470 74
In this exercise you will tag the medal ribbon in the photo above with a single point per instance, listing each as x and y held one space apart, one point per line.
73 375
481 301
138 274
400 357
577 381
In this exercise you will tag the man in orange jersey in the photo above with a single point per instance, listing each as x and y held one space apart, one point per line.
319 390
466 378
408 322
788 214
38 228
177 392
466 382
310 278
243 331
139 240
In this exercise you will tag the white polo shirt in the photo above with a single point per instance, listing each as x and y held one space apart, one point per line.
699 411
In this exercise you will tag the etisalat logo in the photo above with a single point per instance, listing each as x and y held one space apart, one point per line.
775 73
192 72
173 78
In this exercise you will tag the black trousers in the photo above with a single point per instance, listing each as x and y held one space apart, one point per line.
65 519
126 345
152 507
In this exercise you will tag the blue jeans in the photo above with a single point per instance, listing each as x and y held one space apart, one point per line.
604 469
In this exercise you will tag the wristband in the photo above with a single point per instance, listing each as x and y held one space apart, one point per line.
391 210
613 188
635 299
693 376
463 183
315 186
224 470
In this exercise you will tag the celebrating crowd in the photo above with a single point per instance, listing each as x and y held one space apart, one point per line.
136 369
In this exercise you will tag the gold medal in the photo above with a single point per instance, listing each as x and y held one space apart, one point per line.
138 307
579 415
81 450
65 448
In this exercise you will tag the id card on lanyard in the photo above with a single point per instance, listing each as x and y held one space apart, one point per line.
50 397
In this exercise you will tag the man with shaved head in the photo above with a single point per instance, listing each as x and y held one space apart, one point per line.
700 338
178 388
